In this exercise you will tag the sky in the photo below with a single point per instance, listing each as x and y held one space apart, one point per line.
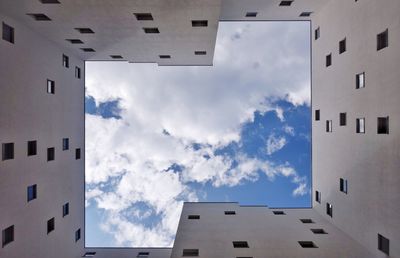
237 131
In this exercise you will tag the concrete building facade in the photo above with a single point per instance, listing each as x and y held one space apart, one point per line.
355 129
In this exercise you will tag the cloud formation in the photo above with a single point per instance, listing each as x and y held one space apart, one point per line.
173 120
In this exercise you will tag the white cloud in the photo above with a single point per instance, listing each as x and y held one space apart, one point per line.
289 130
127 159
275 143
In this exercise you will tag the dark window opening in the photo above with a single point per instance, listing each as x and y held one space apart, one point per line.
200 53
85 30
318 196
199 23
39 16
251 14
382 40
164 56
329 209
383 244
77 72
65 61
116 57
328 60
151 30
75 41
77 153
343 119
230 212
143 16
307 244
51 87
360 125
50 154
32 148
77 235
279 212
32 192
383 125
342 46
190 252
8 33
360 80
8 151
307 221
143 254
7 235
318 231
343 185
49 1
50 225
305 14
328 126
87 49
65 209
89 254
285 3
317 33
65 144
240 244
194 217
317 115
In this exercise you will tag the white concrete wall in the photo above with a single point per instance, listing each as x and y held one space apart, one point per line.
268 235
28 112
370 162
130 252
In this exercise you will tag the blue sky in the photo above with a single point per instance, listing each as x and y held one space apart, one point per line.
159 136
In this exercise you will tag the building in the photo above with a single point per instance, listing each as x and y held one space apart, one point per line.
355 92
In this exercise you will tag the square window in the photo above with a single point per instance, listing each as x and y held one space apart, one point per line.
77 153
50 225
190 252
279 213
317 115
318 196
65 61
77 235
51 87
317 33
143 16
328 126
32 148
151 30
360 125
7 235
230 212
65 144
360 80
8 151
307 221
85 30
329 209
307 244
50 154
383 244
382 40
32 192
77 72
251 14
318 231
285 3
143 254
343 185
342 46
65 209
199 23
240 244
342 119
383 125
328 60
194 217
8 33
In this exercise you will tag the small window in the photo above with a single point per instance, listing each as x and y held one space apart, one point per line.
116 57
382 40
317 33
317 115
77 235
51 87
85 30
307 221
7 235
200 53
50 154
32 148
305 14
143 254
279 213
360 125
39 16
143 16
65 61
230 212
49 1
240 244
65 144
87 49
65 209
8 33
75 41
32 192
151 30
328 60
89 254
342 119
329 209
77 72
190 252
164 56
199 23
307 244
383 125
318 231
360 80
342 46
318 196
343 185
194 217
77 153
328 126
8 151
251 14
383 244
50 225
285 3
